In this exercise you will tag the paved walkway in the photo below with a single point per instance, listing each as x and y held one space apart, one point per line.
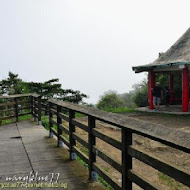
172 109
26 150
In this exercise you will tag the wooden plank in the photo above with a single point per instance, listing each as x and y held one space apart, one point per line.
16 108
80 140
81 154
35 110
80 125
72 130
140 181
63 116
15 96
35 95
65 129
31 103
25 107
50 117
7 104
21 114
164 167
59 130
107 159
65 140
35 115
54 122
39 109
53 111
91 143
8 117
36 104
126 138
24 102
44 105
7 110
110 140
107 178
54 131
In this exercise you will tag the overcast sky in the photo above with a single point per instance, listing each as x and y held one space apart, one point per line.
90 46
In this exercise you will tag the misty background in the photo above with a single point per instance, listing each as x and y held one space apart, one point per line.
90 46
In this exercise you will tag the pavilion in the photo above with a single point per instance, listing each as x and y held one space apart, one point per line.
173 61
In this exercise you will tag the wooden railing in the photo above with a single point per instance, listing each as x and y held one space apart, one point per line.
64 111
63 124
14 106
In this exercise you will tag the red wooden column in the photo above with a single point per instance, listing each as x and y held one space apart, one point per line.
171 86
185 89
151 84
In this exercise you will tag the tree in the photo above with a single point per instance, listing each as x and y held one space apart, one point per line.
11 85
140 97
110 101
52 89
48 89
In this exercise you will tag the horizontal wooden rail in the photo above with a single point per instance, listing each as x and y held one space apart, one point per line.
106 177
110 140
80 140
80 125
160 165
64 128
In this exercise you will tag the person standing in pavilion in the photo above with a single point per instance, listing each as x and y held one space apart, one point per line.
157 94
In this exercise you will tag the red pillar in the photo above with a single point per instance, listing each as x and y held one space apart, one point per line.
151 84
171 87
185 89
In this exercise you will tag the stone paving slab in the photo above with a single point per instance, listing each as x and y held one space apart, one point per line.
35 152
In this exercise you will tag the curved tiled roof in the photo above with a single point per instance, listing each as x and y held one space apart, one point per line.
178 54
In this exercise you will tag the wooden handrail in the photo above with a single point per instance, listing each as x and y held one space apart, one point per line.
129 126
156 132
17 103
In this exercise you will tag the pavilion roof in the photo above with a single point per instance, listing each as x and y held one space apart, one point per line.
178 54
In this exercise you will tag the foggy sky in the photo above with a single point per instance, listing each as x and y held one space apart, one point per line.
90 46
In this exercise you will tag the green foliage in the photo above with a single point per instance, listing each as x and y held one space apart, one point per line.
127 98
52 89
140 97
170 182
45 122
100 179
110 101
11 85
119 110
48 89
21 118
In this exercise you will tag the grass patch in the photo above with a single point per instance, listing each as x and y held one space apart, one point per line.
77 115
100 179
24 117
120 110
20 118
45 122
170 182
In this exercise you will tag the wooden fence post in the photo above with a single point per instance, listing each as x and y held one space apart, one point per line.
0 119
50 123
92 142
16 109
71 131
35 119
126 158
32 103
59 131
39 110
